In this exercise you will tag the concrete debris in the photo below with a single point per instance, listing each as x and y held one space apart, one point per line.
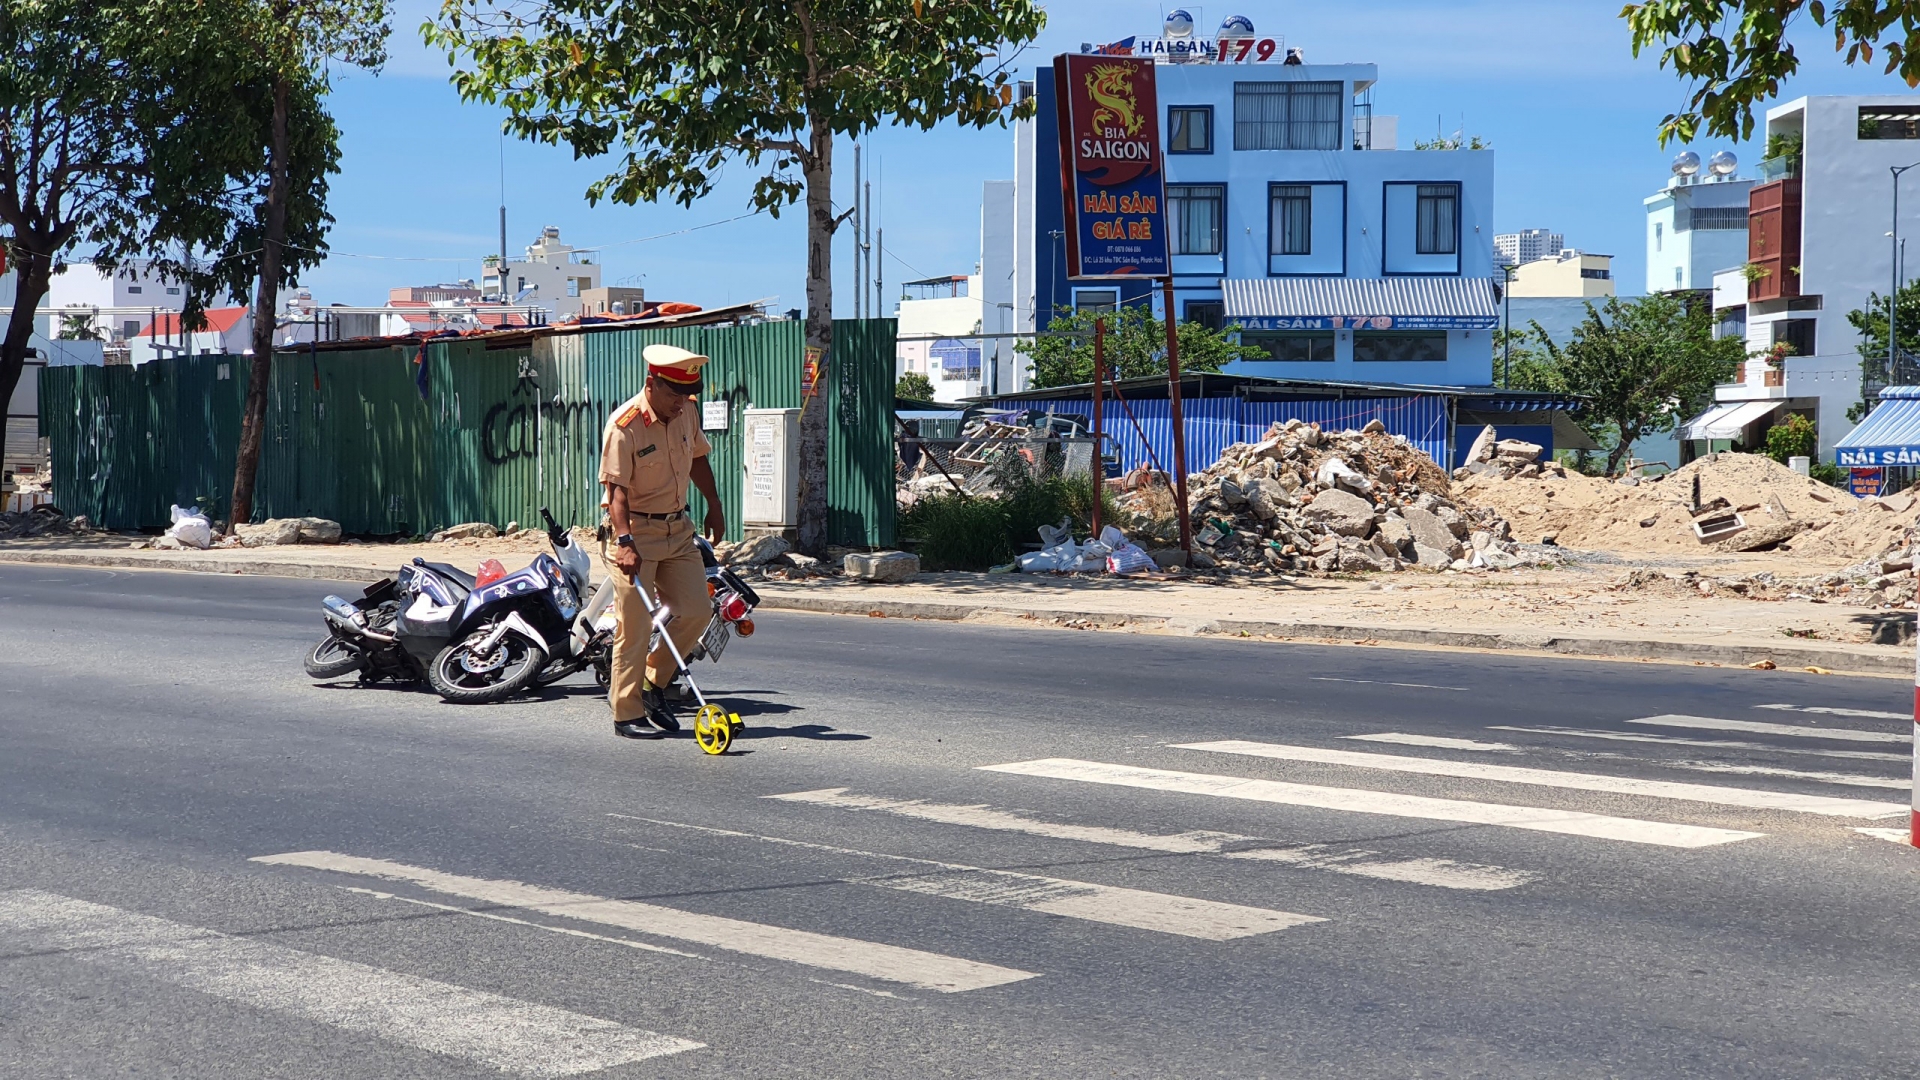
1304 500
43 520
301 530
1860 585
473 530
754 550
882 566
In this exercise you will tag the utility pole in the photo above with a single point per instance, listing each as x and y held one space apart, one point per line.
1506 339
859 274
1179 426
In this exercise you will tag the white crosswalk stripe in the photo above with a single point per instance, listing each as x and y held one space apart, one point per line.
1850 779
1358 862
1356 800
490 1029
1513 774
892 963
1137 908
1709 723
1718 744
1899 836
1829 710
1437 741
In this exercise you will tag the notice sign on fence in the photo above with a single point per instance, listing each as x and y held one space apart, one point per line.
1110 167
713 415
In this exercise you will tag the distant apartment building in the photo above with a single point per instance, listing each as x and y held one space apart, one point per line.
1569 273
553 275
1525 246
1697 224
113 305
939 325
1817 247
613 300
455 292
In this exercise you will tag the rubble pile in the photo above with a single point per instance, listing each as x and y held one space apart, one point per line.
768 557
1885 581
1303 499
43 520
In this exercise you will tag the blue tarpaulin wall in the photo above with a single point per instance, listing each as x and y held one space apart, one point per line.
1213 424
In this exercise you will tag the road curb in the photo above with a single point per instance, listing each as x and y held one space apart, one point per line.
1895 661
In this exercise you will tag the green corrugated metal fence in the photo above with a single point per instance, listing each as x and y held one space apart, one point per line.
502 431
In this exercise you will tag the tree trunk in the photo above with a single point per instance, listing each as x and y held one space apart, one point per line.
32 273
266 304
814 415
1619 452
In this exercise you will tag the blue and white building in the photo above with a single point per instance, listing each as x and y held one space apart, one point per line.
1294 214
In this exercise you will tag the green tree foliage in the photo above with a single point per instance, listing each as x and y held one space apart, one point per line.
1136 347
87 103
1871 323
680 90
1795 437
1735 53
1640 363
914 387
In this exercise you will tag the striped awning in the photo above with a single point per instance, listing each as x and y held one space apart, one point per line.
1728 421
1345 303
1890 435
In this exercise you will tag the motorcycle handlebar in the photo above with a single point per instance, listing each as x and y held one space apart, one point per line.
554 532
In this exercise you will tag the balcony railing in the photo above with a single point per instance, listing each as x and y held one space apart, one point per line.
1779 168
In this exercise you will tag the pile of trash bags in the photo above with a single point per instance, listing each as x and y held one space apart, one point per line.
1111 552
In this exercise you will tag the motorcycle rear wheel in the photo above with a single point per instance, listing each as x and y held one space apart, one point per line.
332 658
511 668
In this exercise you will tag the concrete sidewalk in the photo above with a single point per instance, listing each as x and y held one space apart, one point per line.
1573 612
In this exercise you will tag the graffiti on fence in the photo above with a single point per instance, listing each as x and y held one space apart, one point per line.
510 430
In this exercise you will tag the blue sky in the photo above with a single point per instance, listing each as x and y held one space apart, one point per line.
1571 115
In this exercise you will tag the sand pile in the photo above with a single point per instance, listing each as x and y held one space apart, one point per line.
1652 516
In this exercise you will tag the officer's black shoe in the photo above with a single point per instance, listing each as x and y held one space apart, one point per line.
658 711
635 729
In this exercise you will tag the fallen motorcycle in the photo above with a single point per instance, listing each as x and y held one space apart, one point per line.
482 639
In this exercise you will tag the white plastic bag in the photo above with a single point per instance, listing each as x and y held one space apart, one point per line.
191 528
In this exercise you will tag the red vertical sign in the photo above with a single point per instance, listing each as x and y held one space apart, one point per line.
1111 172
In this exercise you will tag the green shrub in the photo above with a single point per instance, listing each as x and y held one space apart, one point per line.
1794 438
955 531
1828 473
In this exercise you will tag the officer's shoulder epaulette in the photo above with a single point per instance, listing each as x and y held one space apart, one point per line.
627 416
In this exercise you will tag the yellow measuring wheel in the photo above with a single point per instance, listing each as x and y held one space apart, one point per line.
713 729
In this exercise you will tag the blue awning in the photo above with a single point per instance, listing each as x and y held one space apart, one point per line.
1346 303
1890 435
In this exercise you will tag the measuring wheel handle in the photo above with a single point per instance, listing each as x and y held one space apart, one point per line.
712 729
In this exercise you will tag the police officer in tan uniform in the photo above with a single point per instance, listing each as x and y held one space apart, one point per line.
653 447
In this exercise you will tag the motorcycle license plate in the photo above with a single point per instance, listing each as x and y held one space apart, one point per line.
715 639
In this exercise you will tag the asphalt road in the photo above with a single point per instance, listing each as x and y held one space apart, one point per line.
211 867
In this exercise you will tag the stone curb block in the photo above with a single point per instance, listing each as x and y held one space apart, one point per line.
1893 661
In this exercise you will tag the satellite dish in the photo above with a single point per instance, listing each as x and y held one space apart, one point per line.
1179 23
1723 163
1236 28
1686 164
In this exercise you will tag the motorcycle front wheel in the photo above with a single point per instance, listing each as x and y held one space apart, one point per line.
465 677
332 658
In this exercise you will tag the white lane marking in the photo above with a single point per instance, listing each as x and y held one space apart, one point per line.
1717 744
1799 730
1361 801
490 916
1359 862
1109 904
1828 710
1851 779
494 1030
929 971
1903 837
1379 682
1430 740
1553 778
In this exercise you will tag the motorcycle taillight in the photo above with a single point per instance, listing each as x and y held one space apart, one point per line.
490 572
733 609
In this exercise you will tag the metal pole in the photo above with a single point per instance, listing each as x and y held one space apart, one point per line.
1099 377
1913 829
1179 426
1506 358
1893 294
859 273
